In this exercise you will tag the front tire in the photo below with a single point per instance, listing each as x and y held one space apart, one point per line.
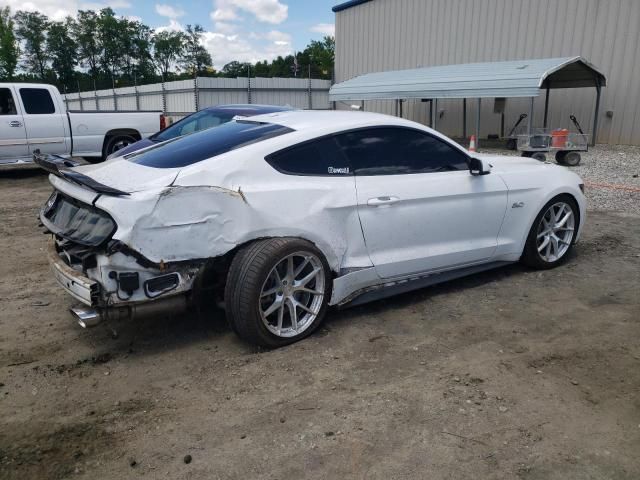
551 236
277 291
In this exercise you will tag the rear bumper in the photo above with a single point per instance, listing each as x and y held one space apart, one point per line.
75 283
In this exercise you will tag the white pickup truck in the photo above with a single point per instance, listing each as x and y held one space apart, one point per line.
33 117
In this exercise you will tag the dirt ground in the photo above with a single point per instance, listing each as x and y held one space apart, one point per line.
508 374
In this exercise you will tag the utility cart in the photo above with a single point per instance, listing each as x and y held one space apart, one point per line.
566 145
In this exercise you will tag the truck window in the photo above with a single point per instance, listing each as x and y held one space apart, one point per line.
37 101
7 105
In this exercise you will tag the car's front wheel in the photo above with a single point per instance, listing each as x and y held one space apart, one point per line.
552 233
277 291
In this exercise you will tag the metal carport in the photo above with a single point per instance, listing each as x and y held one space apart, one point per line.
518 78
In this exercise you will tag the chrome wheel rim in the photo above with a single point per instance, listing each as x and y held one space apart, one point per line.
555 232
120 145
292 295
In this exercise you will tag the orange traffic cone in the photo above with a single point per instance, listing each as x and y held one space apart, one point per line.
472 143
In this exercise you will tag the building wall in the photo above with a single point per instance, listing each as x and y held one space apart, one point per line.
394 34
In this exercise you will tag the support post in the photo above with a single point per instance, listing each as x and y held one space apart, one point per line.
115 97
248 84
397 103
362 105
530 118
66 100
546 108
309 90
435 113
478 123
80 97
135 87
464 118
164 97
196 93
594 134
400 103
95 95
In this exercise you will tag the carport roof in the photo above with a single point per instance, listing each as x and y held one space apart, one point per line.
516 78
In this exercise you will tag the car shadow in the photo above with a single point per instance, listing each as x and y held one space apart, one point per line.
163 333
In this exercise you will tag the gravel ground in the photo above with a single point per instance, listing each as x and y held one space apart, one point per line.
610 173
512 374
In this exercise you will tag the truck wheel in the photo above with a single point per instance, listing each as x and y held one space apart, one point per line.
540 156
118 142
512 144
277 291
572 159
560 157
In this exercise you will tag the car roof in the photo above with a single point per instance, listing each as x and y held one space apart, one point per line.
248 108
320 119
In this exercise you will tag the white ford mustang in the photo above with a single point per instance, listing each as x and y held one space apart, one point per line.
281 215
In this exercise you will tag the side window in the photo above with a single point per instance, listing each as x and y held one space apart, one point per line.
7 105
37 101
189 127
396 151
320 157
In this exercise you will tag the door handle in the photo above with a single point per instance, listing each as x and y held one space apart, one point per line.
384 200
15 123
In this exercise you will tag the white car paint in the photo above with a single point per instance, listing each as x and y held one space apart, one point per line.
435 222
60 132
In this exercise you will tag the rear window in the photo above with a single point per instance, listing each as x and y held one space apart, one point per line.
37 101
205 144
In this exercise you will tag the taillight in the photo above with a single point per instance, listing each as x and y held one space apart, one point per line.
163 122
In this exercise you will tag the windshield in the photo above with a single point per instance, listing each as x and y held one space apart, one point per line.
199 146
193 123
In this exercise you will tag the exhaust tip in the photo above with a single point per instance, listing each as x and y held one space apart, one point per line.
86 317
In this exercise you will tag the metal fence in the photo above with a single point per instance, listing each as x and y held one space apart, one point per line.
182 97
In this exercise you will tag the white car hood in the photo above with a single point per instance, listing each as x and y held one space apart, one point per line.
506 163
127 176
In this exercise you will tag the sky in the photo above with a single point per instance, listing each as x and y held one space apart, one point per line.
243 30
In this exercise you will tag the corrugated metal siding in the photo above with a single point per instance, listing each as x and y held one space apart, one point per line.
180 96
394 34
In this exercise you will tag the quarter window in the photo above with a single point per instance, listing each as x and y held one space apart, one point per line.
320 157
37 101
7 105
395 151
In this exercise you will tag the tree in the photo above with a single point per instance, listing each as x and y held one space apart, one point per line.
62 50
138 58
112 37
9 51
167 49
195 58
31 28
84 32
235 69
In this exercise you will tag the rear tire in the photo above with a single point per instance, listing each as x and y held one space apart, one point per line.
540 156
267 300
572 159
560 157
552 235
116 143
512 144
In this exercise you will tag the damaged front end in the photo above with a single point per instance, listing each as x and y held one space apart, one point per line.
110 279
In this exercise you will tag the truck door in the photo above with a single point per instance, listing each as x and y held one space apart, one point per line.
13 136
45 125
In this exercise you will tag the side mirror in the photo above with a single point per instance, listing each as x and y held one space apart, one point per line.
478 166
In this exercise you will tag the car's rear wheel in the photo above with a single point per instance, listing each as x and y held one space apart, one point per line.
277 291
552 233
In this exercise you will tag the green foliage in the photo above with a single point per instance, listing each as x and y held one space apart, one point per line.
167 48
62 50
98 49
31 28
195 58
9 51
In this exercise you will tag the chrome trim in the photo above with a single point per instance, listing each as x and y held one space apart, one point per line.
75 283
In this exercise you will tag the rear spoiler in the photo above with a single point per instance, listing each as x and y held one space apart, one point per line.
61 167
